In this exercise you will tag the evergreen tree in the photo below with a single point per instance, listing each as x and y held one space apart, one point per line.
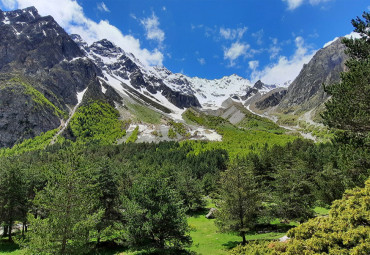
293 190
66 210
154 216
109 202
240 199
13 194
348 108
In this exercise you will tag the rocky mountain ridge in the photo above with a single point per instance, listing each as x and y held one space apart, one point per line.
43 70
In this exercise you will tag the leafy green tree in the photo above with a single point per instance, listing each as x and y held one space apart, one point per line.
66 210
348 108
154 216
240 199
345 231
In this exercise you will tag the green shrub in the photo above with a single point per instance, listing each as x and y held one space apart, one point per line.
133 136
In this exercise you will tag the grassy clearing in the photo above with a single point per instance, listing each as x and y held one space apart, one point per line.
144 114
321 211
9 248
208 240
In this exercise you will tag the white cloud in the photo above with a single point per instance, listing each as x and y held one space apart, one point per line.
258 35
293 4
102 7
164 8
352 35
72 18
231 34
202 61
253 64
286 69
153 32
274 51
236 50
316 2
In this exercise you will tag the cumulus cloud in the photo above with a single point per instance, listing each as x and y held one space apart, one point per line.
286 68
293 4
232 34
102 7
236 50
72 18
152 30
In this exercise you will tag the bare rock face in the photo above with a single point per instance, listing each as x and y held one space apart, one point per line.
41 69
24 113
306 91
271 99
211 213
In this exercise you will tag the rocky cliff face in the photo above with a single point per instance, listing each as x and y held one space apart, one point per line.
123 67
271 99
306 91
41 69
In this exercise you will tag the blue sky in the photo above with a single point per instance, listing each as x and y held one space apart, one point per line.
256 39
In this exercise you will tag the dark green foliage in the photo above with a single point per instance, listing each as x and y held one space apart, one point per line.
13 193
240 199
65 214
154 216
348 108
293 190
189 189
109 198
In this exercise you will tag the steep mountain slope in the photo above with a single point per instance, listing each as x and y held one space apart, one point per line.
42 69
165 87
306 91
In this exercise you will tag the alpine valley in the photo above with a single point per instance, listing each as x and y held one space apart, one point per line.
102 154
46 75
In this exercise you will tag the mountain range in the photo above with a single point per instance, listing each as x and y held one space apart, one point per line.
45 74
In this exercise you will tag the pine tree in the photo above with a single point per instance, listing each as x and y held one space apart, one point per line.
66 210
108 198
13 194
349 106
155 216
240 199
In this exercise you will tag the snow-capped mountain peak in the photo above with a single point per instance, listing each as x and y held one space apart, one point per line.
178 89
